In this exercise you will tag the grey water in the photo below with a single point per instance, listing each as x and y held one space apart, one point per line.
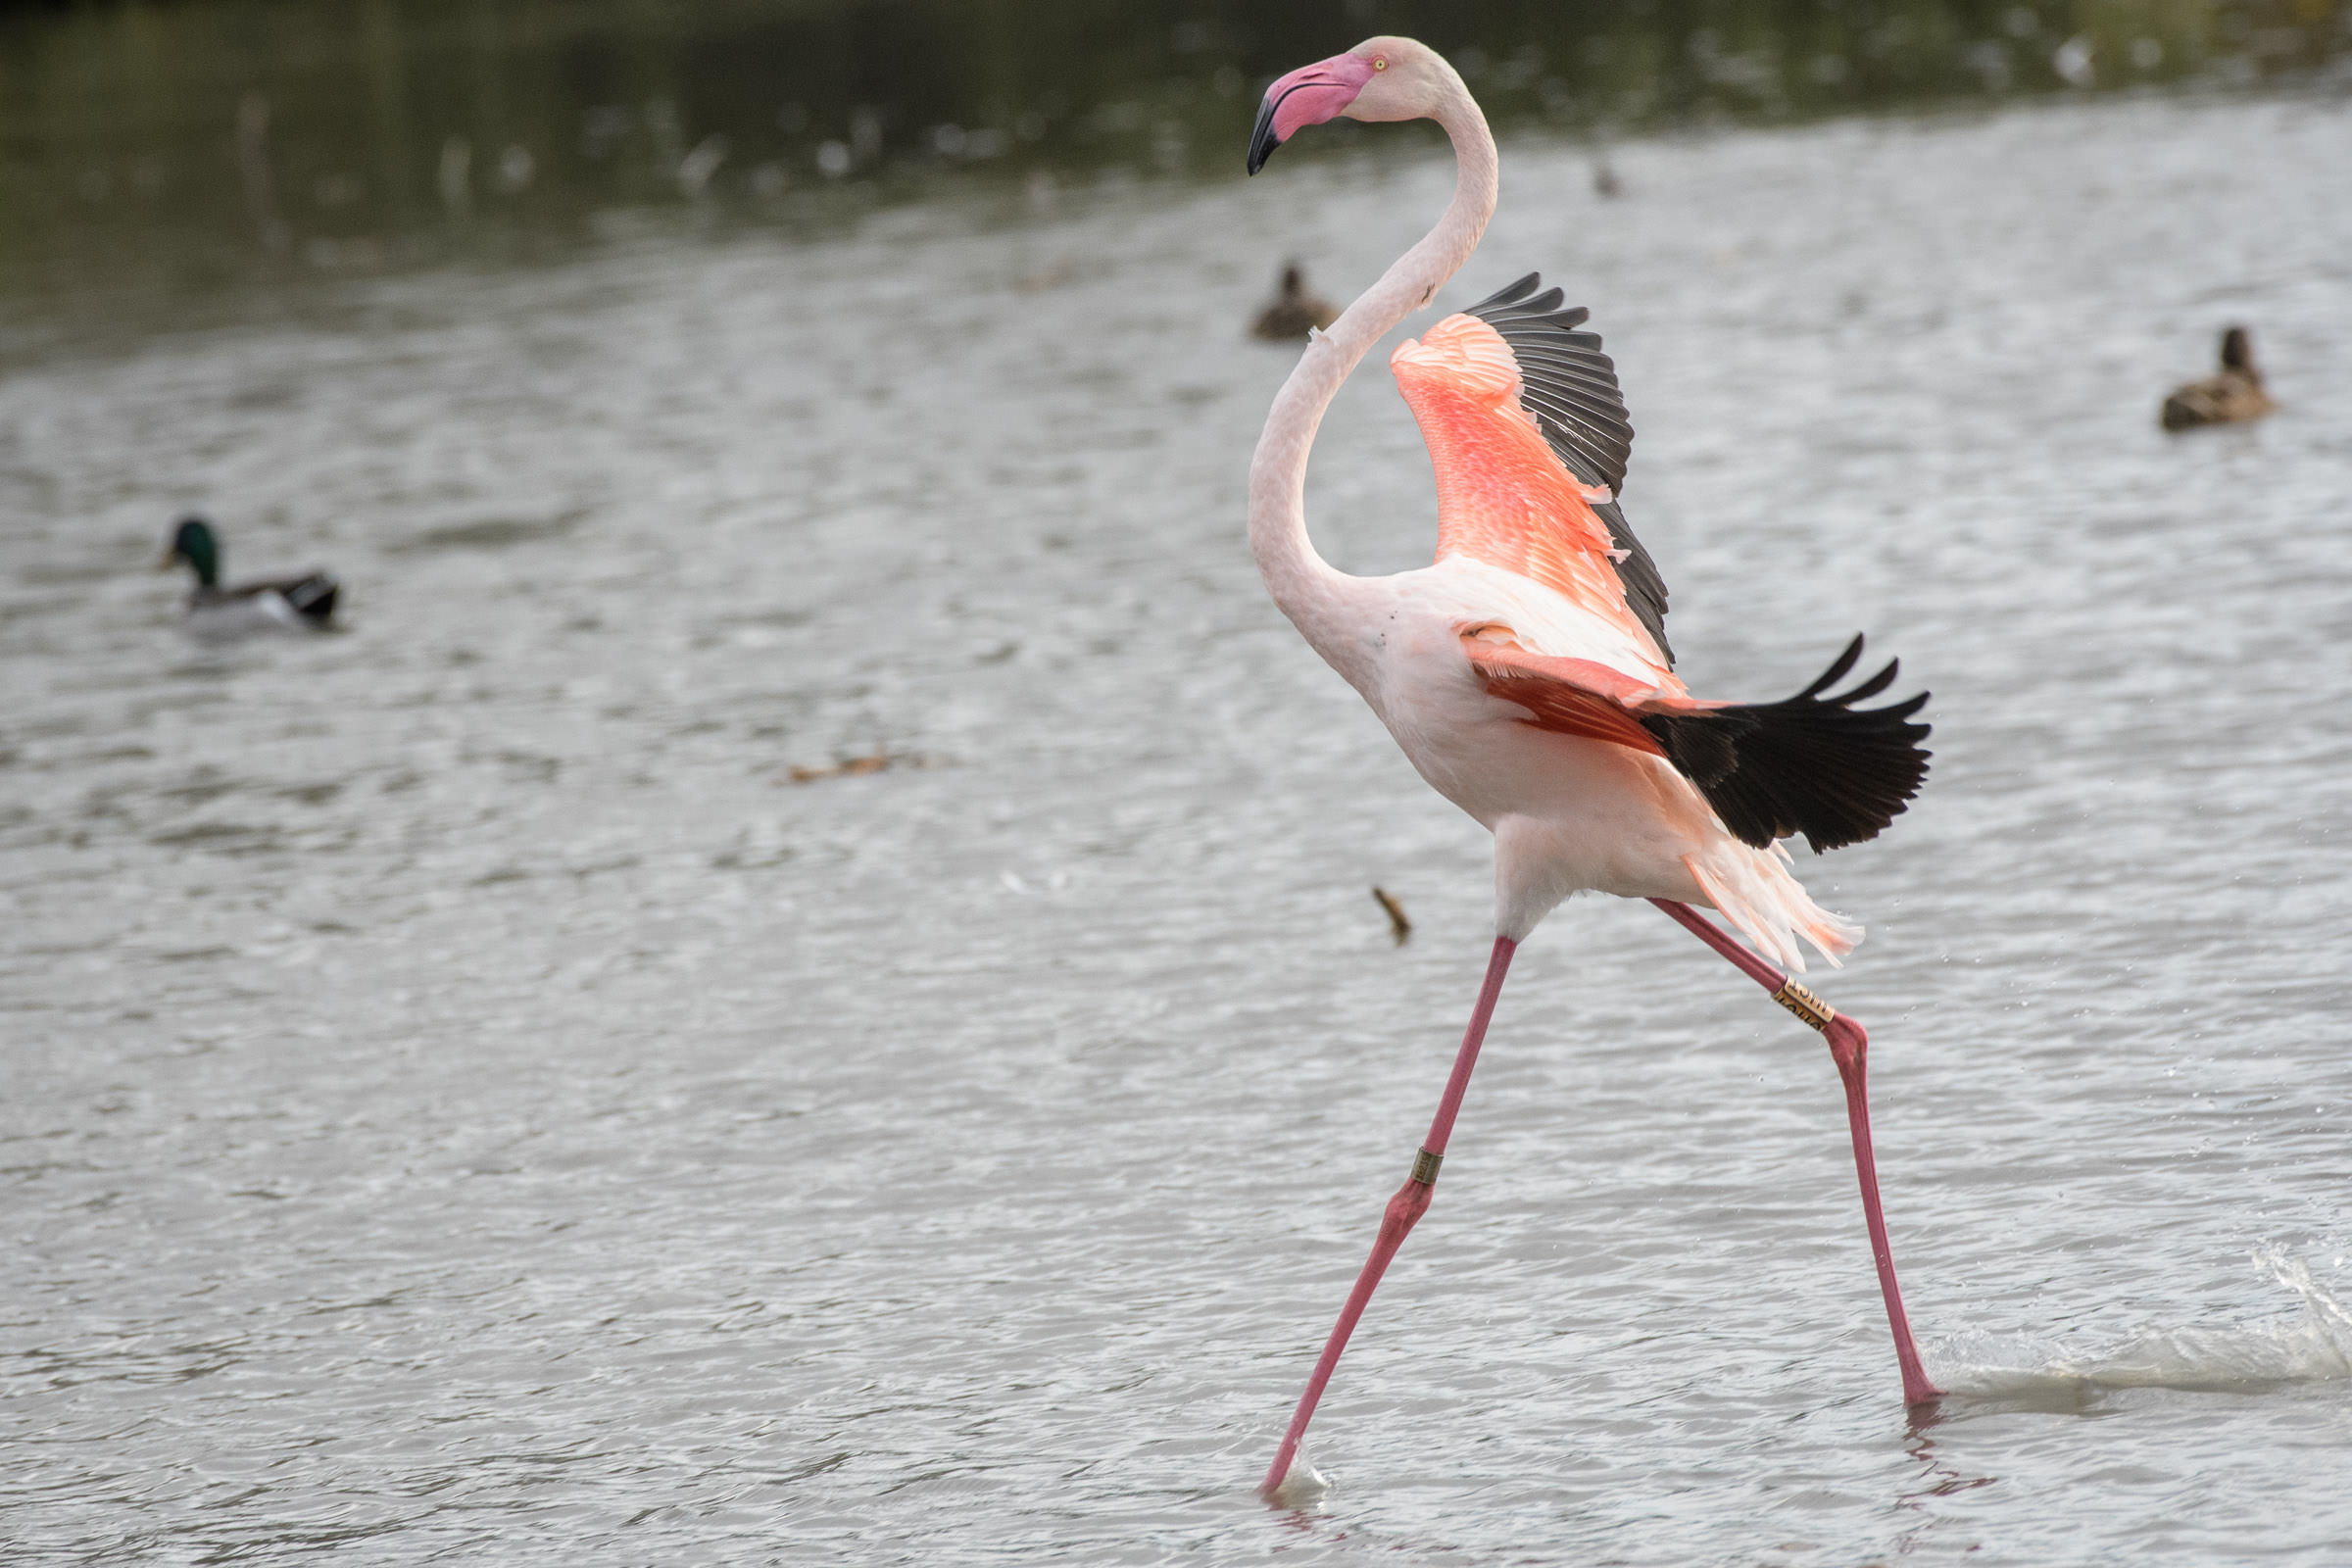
491 1086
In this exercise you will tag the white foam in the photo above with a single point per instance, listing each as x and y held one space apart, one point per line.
2311 1344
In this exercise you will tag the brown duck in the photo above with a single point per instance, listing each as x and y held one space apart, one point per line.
1294 312
2235 393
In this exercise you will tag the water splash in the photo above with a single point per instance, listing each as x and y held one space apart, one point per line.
2313 1345
1303 1486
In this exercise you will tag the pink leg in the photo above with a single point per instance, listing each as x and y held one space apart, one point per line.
1848 1048
1406 1207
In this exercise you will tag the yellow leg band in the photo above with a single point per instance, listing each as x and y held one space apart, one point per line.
1805 1005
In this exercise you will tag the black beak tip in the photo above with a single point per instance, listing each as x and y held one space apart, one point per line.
1262 140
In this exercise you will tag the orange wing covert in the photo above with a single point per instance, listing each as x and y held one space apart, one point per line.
1574 695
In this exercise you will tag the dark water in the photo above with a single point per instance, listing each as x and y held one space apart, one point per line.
185 147
487 1087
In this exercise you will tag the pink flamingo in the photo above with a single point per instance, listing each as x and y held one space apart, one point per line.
1525 673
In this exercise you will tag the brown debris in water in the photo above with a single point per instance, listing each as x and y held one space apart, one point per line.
849 767
1399 926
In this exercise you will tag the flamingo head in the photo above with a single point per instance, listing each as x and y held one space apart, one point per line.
1380 79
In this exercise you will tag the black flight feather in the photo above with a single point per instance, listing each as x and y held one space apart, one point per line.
1811 763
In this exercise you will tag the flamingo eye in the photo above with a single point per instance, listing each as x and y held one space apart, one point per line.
1381 63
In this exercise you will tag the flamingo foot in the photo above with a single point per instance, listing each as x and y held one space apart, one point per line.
1849 1049
1404 1212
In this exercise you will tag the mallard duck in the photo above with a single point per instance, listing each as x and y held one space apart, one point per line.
297 604
2232 394
1294 312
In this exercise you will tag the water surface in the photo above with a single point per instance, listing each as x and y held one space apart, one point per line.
466 1100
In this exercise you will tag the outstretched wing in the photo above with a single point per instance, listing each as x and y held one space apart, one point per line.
1504 496
1571 388
1812 764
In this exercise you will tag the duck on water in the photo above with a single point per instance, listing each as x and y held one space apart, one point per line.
1296 310
2230 395
300 603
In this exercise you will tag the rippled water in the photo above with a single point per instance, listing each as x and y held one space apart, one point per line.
465 1100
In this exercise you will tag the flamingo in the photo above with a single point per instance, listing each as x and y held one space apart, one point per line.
1525 673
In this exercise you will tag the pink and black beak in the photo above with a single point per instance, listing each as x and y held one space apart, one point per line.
1262 140
1307 96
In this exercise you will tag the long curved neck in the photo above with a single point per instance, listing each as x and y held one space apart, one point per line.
1302 583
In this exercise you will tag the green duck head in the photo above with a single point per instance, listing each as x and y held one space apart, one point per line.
193 542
